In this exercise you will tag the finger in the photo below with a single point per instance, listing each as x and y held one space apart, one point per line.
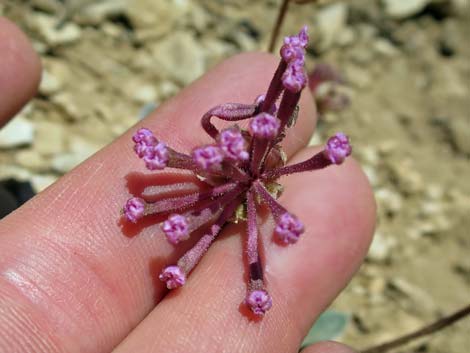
20 70
337 207
69 277
327 347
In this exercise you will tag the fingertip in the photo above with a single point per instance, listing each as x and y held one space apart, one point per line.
21 70
328 347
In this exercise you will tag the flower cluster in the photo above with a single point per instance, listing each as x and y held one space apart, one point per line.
241 168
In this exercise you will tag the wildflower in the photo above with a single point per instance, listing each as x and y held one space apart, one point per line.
239 168
134 209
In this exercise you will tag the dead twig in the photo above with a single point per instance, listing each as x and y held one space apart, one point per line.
427 330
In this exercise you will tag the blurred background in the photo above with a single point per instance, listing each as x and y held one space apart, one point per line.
406 67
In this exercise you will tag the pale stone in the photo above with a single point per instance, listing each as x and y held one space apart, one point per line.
400 9
18 132
180 56
330 21
47 27
49 138
30 159
41 182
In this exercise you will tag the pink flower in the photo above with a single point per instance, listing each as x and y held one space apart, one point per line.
294 78
338 148
289 228
208 156
156 157
237 169
264 126
176 228
134 209
259 301
173 276
233 144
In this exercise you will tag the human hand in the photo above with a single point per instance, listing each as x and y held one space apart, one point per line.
71 281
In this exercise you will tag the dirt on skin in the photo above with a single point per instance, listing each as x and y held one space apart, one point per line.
409 82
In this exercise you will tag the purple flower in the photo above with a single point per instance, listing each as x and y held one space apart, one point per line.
176 228
134 209
264 126
300 39
338 148
294 78
208 156
237 169
291 52
289 228
259 301
294 47
156 157
173 276
144 136
232 143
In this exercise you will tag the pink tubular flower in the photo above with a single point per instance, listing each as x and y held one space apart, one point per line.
235 174
173 276
156 157
292 52
144 136
176 228
338 148
294 47
259 301
300 39
207 156
233 144
134 209
294 78
289 228
264 126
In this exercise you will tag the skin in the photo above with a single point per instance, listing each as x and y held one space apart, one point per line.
71 279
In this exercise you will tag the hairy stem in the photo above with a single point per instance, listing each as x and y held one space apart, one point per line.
427 330
228 112
194 255
254 263
183 202
318 161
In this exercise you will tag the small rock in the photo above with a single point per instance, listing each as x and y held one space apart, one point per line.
371 174
50 84
49 138
167 89
357 76
406 177
460 134
47 27
417 294
31 159
63 163
385 47
390 201
145 94
96 13
18 132
40 182
346 37
330 22
400 9
180 56
380 248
